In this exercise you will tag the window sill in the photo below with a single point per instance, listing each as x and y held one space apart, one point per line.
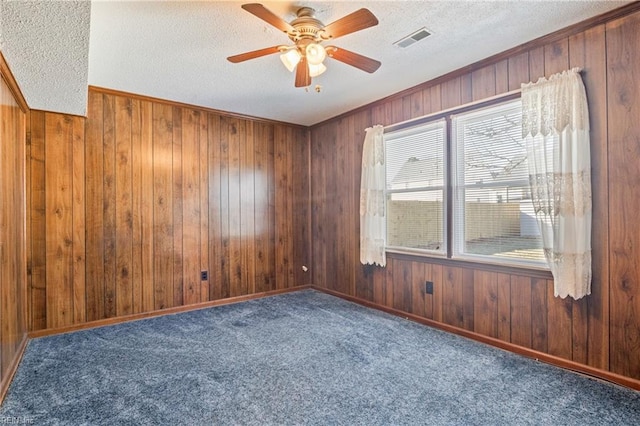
529 271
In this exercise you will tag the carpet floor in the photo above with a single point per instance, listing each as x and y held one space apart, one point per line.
298 358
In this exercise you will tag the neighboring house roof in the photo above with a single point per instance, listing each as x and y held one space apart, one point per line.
416 171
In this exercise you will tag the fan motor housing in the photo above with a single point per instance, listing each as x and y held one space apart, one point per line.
306 26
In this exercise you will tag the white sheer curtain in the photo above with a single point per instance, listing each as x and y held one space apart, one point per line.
555 126
372 183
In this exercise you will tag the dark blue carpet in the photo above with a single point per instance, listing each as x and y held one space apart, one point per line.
298 358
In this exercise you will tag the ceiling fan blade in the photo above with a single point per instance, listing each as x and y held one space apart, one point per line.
356 21
354 59
254 54
266 15
303 79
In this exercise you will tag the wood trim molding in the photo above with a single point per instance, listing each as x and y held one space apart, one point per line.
65 114
13 367
161 312
8 78
190 106
483 266
540 41
530 353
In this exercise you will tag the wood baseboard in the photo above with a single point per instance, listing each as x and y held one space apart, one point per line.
168 311
13 367
530 353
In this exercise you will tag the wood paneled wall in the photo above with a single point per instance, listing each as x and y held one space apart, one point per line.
131 204
13 259
602 330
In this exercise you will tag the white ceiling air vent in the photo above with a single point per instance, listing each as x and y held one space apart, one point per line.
414 37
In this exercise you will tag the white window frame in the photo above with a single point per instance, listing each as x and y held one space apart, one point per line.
453 192
438 123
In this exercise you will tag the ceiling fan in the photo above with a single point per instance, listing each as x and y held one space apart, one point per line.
307 53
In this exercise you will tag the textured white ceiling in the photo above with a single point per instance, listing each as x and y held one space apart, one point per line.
177 50
47 47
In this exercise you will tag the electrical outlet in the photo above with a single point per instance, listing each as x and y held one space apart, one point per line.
204 275
428 287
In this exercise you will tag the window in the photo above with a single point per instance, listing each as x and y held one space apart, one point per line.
415 188
484 175
493 213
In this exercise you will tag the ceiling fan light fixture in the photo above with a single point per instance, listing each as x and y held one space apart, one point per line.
306 55
290 59
315 53
316 70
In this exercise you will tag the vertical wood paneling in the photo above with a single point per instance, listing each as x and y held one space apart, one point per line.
452 297
247 211
559 323
94 187
402 285
218 280
362 273
536 63
502 77
521 311
417 107
263 155
147 206
556 57
587 50
109 205
203 178
27 246
504 307
236 129
79 220
468 292
13 216
191 207
388 286
37 194
466 88
225 209
136 208
419 304
518 70
451 93
177 201
541 325
59 220
379 278
485 306
437 278
162 205
123 207
319 213
397 112
341 206
623 100
483 83
131 204
283 253
432 99
137 276
301 224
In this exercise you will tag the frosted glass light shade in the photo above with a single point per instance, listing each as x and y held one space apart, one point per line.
315 53
290 59
316 70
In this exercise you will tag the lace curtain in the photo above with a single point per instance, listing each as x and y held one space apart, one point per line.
372 183
555 126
